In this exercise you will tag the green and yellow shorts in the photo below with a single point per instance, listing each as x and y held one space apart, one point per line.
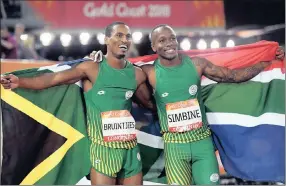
191 163
115 162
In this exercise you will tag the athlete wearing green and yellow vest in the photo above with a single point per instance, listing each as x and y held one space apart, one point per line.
184 125
180 107
189 151
115 157
111 127
114 153
188 148
109 122
108 105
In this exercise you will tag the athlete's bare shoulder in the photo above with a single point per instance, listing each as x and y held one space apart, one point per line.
147 68
140 75
89 65
91 69
199 63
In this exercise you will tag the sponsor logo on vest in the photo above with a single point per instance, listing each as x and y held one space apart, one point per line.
101 92
165 94
193 89
214 177
138 156
128 94
97 161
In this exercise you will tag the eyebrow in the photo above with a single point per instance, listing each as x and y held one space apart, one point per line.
122 33
162 36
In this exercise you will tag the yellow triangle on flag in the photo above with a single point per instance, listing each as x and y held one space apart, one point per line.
50 121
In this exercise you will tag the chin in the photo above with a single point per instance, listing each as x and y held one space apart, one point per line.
170 57
120 56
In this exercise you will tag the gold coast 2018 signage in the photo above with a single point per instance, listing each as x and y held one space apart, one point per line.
140 14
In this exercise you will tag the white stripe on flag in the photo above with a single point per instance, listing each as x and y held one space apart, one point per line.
219 119
263 77
158 166
140 63
215 118
150 140
56 68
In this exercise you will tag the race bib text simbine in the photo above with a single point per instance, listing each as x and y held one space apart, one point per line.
184 115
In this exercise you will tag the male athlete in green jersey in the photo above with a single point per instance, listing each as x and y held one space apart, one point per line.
108 89
189 151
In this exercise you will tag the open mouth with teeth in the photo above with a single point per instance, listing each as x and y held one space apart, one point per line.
170 51
123 47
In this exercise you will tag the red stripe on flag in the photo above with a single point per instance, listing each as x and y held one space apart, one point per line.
233 58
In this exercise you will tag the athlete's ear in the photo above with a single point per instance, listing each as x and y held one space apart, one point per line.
153 48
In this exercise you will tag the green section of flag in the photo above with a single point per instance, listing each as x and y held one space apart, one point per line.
246 98
153 164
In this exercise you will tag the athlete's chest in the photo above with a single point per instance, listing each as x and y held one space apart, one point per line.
107 94
119 86
176 86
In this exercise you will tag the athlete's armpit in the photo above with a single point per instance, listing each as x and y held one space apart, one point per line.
222 74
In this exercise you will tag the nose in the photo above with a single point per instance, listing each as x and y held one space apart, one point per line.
124 39
169 43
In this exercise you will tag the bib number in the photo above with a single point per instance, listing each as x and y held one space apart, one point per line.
184 116
118 125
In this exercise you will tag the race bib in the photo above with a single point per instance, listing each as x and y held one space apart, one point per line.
184 116
118 125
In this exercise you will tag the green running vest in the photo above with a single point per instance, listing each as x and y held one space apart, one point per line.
179 102
108 104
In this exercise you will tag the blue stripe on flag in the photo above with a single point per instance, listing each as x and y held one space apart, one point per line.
151 123
252 153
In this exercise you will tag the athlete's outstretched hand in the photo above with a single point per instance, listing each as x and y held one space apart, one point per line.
280 54
10 81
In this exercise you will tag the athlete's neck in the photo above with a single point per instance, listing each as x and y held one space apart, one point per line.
169 63
115 62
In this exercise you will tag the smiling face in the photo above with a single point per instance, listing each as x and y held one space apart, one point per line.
119 41
164 42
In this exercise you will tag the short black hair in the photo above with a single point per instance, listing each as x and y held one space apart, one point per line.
156 27
109 28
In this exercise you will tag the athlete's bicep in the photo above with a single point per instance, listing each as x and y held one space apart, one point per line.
72 75
143 95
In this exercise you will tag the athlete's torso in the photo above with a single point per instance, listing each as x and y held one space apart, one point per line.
108 105
180 107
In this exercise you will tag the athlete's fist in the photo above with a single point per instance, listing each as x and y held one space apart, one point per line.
96 56
9 81
280 54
